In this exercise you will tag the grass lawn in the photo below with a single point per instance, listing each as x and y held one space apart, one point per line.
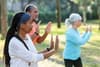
90 51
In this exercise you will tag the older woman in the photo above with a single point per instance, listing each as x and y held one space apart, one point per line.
72 49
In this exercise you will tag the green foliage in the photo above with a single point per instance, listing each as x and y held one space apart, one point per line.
10 16
45 17
47 9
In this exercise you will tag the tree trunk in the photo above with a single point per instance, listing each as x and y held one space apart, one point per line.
0 16
58 15
84 16
98 10
22 5
3 18
84 10
99 16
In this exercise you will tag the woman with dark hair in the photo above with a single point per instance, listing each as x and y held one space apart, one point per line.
19 50
33 11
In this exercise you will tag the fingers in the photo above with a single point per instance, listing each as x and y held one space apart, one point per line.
39 22
51 39
52 43
37 28
56 43
88 28
48 28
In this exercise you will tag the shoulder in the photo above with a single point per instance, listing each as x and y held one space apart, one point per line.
14 42
70 31
14 39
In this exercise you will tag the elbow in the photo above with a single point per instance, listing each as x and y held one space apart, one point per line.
34 58
40 40
82 43
37 57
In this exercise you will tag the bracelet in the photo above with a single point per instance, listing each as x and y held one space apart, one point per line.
48 49
36 33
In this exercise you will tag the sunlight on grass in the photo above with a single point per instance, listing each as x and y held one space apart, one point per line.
90 51
1 48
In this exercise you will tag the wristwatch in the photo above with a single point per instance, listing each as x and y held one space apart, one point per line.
36 33
48 49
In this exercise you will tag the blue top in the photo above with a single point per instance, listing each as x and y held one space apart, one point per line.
73 43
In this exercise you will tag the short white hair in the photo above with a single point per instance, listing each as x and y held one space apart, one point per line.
72 18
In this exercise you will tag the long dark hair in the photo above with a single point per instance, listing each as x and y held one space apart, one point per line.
11 32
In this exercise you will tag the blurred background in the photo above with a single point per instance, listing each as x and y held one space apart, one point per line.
57 11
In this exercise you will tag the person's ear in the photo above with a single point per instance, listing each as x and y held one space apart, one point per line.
22 25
